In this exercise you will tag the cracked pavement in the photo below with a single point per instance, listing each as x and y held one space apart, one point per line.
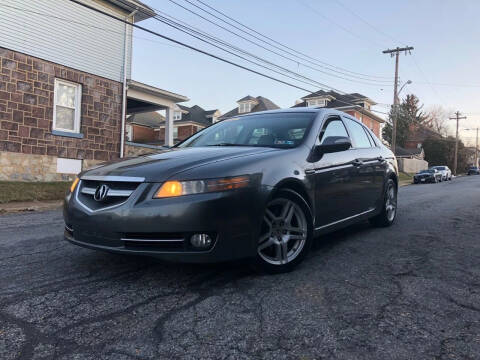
411 291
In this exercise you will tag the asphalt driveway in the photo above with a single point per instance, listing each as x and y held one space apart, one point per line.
411 291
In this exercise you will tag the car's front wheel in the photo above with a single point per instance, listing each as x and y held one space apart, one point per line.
286 233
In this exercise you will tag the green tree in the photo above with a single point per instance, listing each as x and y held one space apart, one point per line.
441 151
408 113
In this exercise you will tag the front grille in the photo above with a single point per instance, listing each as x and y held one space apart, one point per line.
116 194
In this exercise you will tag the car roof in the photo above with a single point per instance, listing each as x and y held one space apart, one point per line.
319 111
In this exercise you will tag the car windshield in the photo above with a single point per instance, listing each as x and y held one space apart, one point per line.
279 130
430 171
439 167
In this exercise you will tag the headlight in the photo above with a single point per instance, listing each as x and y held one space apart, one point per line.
74 184
178 188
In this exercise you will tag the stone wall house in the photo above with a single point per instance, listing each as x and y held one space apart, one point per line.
355 104
62 85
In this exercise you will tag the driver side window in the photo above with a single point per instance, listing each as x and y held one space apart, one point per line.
334 127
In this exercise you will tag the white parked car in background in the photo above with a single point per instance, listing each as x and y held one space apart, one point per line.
445 171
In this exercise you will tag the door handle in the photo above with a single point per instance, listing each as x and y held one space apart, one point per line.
357 162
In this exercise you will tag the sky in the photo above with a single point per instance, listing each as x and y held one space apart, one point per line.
347 35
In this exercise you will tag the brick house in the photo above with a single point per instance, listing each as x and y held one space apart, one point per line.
188 120
417 134
143 127
65 88
354 104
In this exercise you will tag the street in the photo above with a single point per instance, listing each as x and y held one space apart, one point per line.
411 291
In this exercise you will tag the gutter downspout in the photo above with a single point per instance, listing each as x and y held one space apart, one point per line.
124 95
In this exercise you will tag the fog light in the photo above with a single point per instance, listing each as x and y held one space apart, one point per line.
201 240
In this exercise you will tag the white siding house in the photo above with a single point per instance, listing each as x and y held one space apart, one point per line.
66 33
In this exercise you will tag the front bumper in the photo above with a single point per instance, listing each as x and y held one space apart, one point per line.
425 179
232 218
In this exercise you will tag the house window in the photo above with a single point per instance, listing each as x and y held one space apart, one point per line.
177 115
66 110
316 102
244 107
175 132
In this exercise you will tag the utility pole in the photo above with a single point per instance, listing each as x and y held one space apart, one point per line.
476 145
395 52
476 149
455 160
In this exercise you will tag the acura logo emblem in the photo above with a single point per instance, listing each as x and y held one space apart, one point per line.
101 192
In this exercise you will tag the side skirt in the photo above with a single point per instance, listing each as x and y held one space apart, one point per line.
340 224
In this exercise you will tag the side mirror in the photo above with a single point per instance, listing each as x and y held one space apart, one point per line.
334 144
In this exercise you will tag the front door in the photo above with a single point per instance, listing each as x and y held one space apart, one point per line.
335 176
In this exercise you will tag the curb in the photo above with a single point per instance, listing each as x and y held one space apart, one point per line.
14 207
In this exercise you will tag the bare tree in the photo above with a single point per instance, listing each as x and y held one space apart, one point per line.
437 119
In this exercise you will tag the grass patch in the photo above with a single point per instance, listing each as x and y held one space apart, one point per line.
32 191
404 177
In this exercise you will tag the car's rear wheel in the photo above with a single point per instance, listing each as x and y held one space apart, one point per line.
286 233
389 209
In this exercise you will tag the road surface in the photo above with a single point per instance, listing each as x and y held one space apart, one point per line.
411 291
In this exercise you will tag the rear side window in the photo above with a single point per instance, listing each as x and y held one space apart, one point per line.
357 133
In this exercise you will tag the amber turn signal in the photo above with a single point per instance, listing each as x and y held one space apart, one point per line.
74 184
178 188
169 189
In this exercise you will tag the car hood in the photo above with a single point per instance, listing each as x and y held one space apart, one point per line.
161 166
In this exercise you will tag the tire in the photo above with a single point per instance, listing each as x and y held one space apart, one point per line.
286 233
389 206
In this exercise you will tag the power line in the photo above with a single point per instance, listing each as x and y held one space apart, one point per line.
369 24
289 48
231 46
202 51
309 81
354 78
337 24
189 30
282 46
401 42
198 34
188 46
427 81
447 84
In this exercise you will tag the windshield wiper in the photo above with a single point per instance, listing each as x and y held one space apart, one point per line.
229 144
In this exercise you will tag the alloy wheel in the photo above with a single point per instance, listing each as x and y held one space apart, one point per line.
391 202
284 232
